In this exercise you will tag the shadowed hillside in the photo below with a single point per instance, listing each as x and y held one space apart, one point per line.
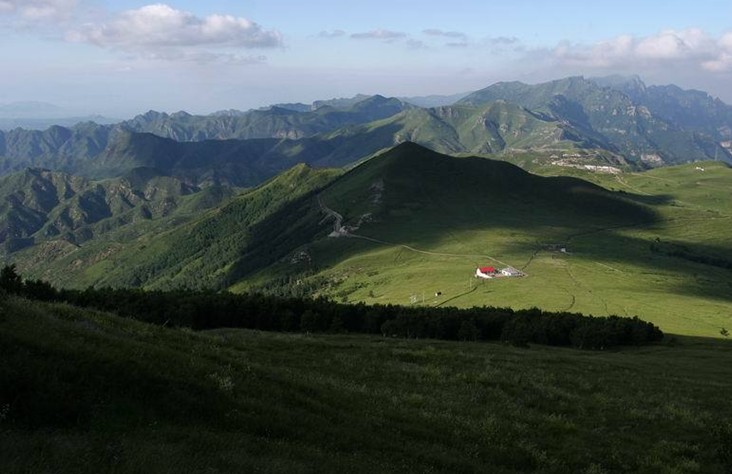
84 391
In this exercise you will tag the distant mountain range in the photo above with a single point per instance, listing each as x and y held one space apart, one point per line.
614 120
653 125
44 123
42 115
30 109
263 141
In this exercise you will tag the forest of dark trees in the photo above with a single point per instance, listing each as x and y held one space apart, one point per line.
202 310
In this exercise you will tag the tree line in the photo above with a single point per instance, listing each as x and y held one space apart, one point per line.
201 310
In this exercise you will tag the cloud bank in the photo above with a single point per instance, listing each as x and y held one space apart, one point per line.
379 35
38 10
445 34
331 34
691 47
162 26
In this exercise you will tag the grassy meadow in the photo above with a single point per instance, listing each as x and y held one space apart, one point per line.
432 246
84 391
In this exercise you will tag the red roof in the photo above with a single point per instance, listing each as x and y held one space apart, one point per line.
487 269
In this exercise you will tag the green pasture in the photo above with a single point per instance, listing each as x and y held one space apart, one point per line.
433 246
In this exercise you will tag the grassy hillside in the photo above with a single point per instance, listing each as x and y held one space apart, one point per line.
84 391
197 252
432 220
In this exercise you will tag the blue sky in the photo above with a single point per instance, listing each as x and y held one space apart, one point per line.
124 57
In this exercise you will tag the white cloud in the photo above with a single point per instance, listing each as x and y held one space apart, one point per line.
691 47
37 10
504 40
380 35
725 42
459 40
446 34
723 61
673 45
159 27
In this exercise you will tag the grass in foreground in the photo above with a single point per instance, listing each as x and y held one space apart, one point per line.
89 392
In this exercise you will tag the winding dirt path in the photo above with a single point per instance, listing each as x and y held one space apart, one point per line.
338 228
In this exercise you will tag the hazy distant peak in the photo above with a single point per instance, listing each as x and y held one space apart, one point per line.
180 114
631 85
293 107
151 115
341 103
434 100
618 79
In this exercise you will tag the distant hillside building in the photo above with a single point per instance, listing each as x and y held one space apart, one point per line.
485 272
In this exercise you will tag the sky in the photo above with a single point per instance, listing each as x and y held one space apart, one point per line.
124 57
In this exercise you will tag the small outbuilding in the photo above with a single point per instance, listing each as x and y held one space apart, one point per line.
510 272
